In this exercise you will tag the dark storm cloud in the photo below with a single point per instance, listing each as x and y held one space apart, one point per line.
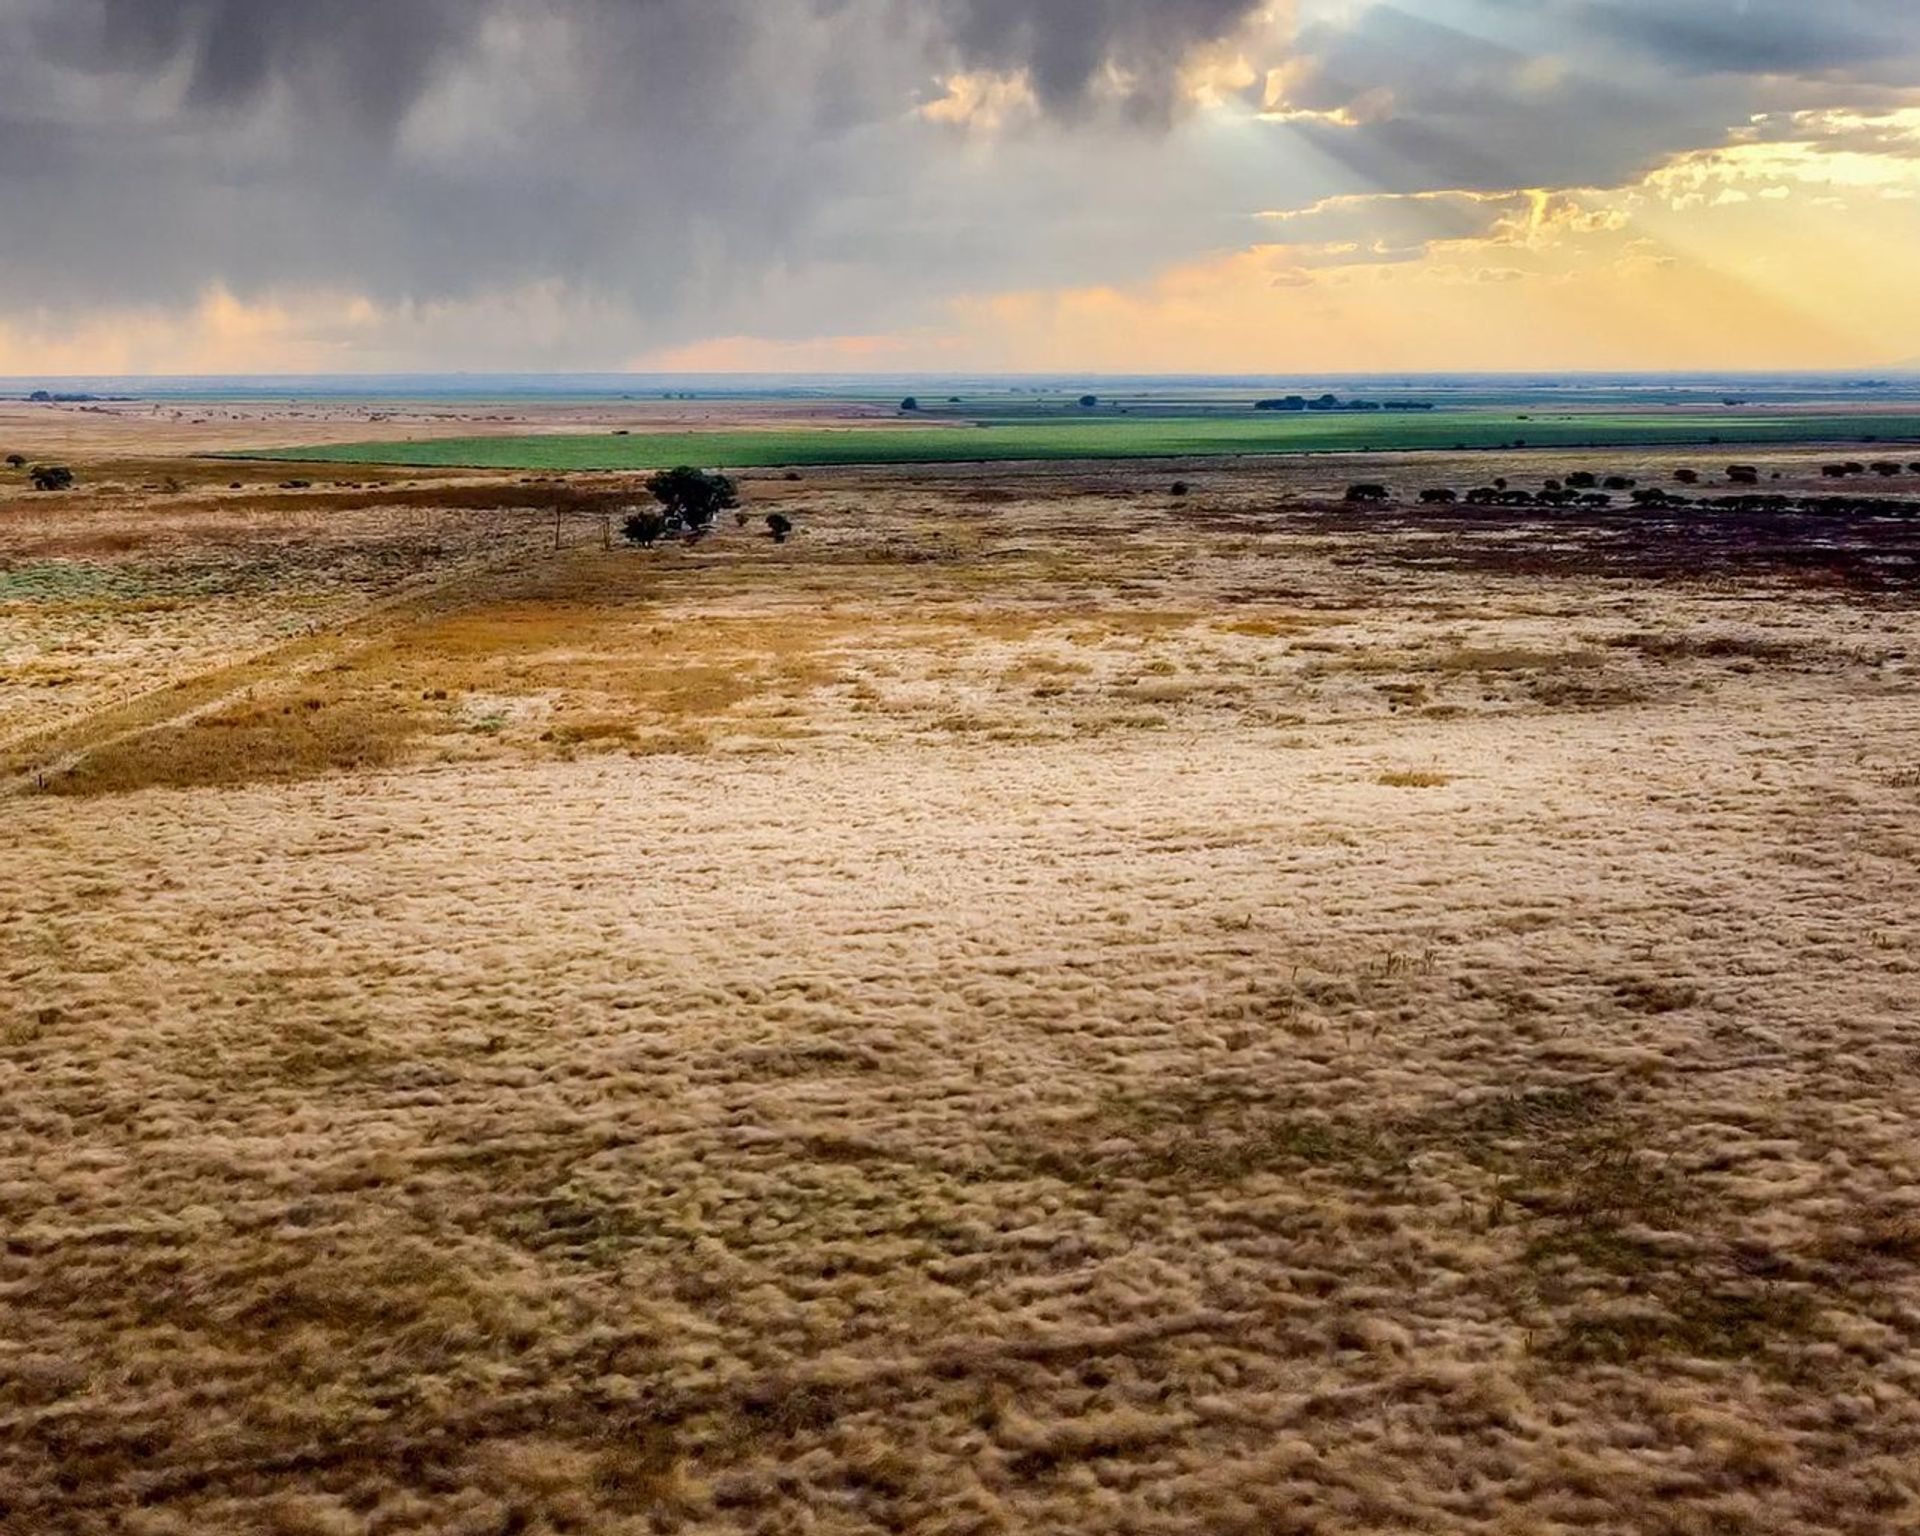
683 155
364 59
1067 45
370 57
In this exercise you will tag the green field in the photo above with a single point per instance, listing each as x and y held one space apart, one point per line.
1107 438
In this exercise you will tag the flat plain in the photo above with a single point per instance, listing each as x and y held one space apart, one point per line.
1074 436
1037 1005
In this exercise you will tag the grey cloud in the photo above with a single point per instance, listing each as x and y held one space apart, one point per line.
1491 94
702 167
1744 37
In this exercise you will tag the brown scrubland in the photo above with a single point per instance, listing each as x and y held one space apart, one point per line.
1035 1005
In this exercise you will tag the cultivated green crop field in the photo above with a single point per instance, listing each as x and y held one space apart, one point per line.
1105 439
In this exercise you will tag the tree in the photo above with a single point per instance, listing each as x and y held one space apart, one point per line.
911 403
1684 476
52 477
1440 496
16 461
693 498
1743 474
1088 402
1179 488
1368 493
778 527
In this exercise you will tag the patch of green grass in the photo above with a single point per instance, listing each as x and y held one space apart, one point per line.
1133 437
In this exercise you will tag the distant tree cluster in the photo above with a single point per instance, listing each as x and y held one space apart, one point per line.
1335 403
1886 467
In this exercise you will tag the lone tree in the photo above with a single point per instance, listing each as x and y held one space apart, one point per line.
778 527
52 477
692 498
911 403
16 461
1088 402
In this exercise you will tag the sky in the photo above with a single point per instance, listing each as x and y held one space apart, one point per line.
1120 186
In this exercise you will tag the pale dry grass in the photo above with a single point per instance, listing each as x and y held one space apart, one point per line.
896 1032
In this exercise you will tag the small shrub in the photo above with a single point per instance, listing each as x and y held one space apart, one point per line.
911 403
1439 496
1179 488
645 529
1885 467
1403 778
1367 492
1685 476
52 477
16 461
1743 474
778 527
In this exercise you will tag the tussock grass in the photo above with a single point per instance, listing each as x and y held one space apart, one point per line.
1087 1117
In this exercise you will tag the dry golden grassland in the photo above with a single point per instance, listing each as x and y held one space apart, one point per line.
1035 1006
